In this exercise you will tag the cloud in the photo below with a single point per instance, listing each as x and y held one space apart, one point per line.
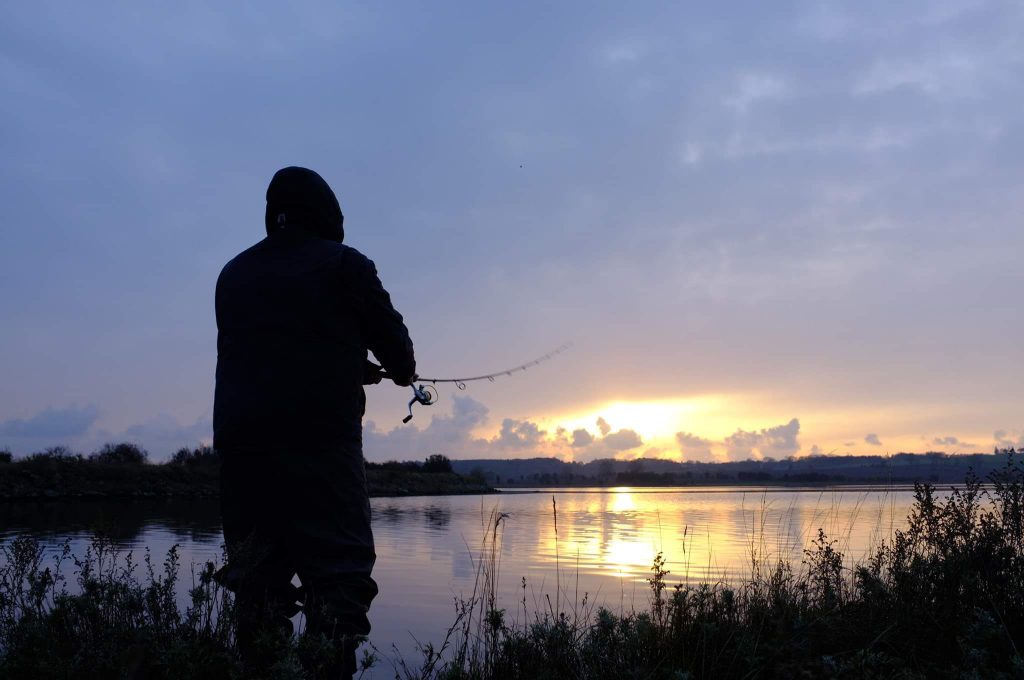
581 438
52 424
692 153
936 76
611 445
519 434
622 440
454 435
816 451
772 442
586 446
622 54
451 435
1006 440
752 88
457 435
872 439
693 447
163 434
953 441
652 452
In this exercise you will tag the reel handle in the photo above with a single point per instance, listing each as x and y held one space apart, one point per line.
421 394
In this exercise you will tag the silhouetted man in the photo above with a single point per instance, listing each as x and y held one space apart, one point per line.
296 314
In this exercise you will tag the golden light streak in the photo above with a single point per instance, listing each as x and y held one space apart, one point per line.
619 532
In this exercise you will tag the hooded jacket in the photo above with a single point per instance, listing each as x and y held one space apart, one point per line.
296 314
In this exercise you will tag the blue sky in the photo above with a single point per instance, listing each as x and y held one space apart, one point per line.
769 228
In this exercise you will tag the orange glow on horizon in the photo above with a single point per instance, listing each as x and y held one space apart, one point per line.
824 428
652 420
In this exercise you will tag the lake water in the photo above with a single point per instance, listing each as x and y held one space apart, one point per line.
605 543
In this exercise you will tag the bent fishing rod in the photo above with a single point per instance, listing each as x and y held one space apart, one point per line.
426 394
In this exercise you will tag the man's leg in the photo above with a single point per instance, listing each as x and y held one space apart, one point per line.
259 570
265 601
335 554
337 611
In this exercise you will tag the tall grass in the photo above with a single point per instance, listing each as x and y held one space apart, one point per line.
123 619
941 598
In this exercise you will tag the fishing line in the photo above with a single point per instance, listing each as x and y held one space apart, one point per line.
427 394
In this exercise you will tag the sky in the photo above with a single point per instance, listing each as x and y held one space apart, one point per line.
768 229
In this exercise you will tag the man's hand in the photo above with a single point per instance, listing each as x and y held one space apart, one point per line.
372 373
402 383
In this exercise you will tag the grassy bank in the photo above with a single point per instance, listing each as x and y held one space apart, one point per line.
123 471
943 598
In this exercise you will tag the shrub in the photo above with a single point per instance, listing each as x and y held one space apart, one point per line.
201 455
6 456
124 453
396 466
119 624
437 463
53 454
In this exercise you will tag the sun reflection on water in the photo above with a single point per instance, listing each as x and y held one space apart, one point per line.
618 532
710 535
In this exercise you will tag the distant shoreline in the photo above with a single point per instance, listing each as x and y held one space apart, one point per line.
717 488
76 479
123 471
156 481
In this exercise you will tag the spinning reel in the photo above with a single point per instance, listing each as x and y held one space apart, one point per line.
421 394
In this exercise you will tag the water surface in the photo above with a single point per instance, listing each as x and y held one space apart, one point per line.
603 548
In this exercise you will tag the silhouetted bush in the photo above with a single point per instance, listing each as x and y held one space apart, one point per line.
118 471
437 463
201 455
117 625
6 456
396 466
124 453
54 453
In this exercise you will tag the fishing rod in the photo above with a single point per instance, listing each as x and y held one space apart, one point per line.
426 395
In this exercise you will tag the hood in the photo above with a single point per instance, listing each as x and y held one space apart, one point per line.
299 197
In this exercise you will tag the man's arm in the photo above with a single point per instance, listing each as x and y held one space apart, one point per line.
386 334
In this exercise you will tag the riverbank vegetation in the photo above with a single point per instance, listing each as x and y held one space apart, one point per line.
805 470
942 598
123 471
